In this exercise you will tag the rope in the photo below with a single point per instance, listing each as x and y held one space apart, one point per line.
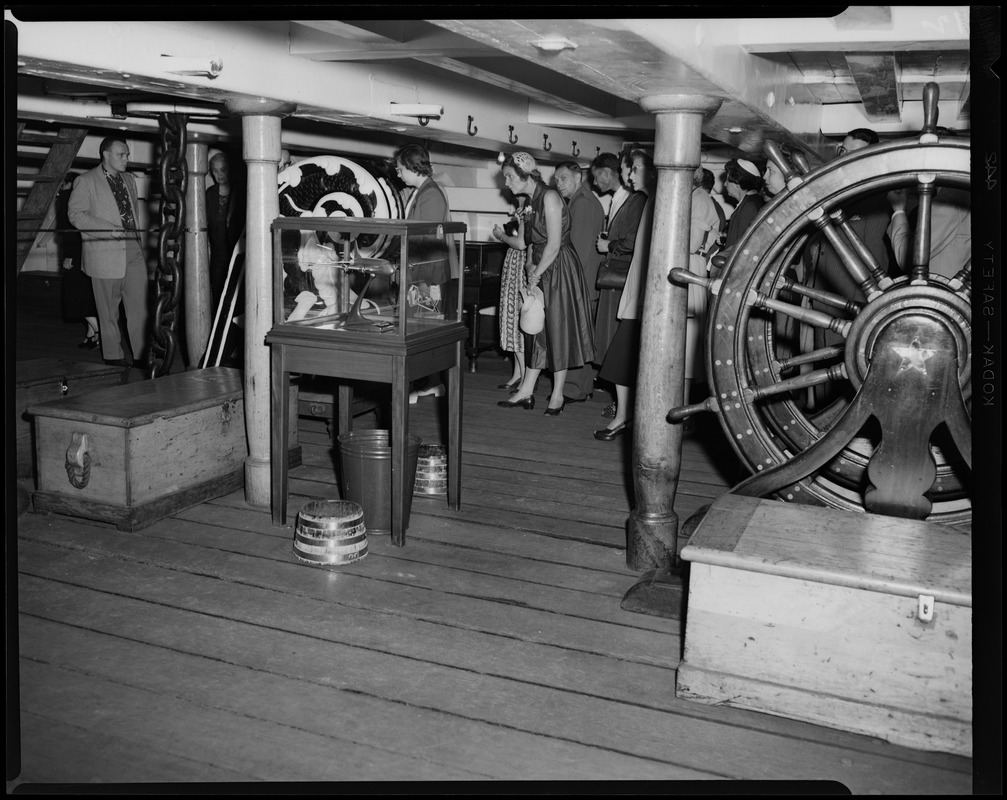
79 476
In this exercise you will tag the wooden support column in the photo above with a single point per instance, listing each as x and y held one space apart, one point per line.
196 282
652 535
260 127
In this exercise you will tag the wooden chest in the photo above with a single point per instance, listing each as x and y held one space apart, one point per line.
854 621
44 379
142 451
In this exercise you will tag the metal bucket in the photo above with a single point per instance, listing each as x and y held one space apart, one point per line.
432 469
366 460
330 532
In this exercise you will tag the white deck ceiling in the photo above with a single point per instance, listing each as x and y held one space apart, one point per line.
797 80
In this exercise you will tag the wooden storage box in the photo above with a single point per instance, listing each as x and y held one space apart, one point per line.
854 621
153 447
44 379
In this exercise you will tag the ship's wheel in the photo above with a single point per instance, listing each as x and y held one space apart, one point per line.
895 436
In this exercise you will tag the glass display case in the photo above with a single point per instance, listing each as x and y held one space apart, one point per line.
359 277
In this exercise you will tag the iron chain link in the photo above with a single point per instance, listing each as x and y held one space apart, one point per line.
171 242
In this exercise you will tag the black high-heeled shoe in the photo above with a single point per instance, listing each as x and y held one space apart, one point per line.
555 412
527 403
510 386
610 434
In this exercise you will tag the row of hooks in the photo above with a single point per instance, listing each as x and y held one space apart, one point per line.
472 130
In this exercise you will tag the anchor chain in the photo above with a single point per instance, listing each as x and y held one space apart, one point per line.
174 178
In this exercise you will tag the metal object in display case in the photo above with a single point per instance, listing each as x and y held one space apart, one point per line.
322 283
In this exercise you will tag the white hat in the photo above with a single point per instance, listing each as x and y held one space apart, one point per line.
525 162
749 167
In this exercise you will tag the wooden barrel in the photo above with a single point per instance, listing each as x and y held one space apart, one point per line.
432 470
330 532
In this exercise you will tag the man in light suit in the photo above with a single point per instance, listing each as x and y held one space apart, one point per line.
103 207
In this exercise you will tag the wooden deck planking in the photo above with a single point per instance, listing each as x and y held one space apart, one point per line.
270 630
491 646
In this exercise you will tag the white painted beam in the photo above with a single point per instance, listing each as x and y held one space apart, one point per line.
634 58
550 115
320 41
257 64
767 94
910 28
964 98
842 117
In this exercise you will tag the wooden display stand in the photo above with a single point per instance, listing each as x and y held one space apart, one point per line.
854 621
319 330
368 358
144 450
44 379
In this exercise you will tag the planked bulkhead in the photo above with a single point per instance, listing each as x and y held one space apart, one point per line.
144 450
854 621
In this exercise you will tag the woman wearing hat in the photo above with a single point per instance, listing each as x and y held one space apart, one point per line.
567 340
743 183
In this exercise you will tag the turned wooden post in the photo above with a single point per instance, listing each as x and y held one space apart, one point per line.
652 534
260 127
196 284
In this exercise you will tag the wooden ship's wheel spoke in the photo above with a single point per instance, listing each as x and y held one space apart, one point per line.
762 354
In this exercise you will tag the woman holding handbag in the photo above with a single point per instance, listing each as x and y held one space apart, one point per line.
567 339
622 359
616 245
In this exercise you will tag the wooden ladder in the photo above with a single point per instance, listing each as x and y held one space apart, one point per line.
63 149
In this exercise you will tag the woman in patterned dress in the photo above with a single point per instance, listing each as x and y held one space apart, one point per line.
567 340
512 278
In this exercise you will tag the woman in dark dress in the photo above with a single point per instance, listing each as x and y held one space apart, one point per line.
225 221
567 340
76 292
743 183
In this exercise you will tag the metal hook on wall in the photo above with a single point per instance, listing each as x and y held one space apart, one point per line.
510 136
545 142
575 151
471 130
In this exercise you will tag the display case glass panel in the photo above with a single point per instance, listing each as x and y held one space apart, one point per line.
327 278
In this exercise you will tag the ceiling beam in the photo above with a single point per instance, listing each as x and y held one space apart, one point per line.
908 28
965 98
549 114
631 59
839 118
127 56
533 93
332 40
877 79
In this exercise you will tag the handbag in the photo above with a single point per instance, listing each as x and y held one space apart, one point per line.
532 319
612 274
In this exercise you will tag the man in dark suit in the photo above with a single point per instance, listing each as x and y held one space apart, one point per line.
104 208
